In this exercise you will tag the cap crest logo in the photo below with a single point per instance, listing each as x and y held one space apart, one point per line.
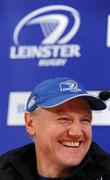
69 85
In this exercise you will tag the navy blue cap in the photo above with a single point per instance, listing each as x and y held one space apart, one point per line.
53 92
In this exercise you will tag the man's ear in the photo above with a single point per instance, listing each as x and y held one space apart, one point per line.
29 124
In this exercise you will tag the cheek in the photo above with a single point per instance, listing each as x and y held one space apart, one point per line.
45 133
54 134
88 133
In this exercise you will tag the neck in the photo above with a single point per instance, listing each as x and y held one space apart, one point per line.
51 169
47 170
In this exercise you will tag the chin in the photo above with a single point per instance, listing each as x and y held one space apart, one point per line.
71 162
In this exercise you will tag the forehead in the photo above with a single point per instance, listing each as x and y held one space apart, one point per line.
77 103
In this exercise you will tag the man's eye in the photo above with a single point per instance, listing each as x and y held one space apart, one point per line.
63 120
86 121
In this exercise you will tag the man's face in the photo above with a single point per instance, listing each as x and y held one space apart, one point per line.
63 133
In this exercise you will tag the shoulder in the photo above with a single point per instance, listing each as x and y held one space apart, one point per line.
14 161
13 153
98 153
100 157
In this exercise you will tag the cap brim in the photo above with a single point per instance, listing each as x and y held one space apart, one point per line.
95 103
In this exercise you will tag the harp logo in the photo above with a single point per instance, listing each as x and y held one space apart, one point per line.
58 24
69 85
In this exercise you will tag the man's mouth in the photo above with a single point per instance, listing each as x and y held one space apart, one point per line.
71 144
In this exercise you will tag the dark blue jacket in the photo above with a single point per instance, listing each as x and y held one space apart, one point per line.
20 164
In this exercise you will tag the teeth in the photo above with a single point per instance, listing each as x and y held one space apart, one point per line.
70 144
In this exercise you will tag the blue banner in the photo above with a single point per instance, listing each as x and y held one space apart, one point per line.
46 39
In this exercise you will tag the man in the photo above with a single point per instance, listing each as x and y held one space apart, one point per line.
58 118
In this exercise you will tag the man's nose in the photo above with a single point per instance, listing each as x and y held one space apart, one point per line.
75 130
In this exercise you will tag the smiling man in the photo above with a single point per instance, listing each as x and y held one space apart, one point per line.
62 136
58 118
